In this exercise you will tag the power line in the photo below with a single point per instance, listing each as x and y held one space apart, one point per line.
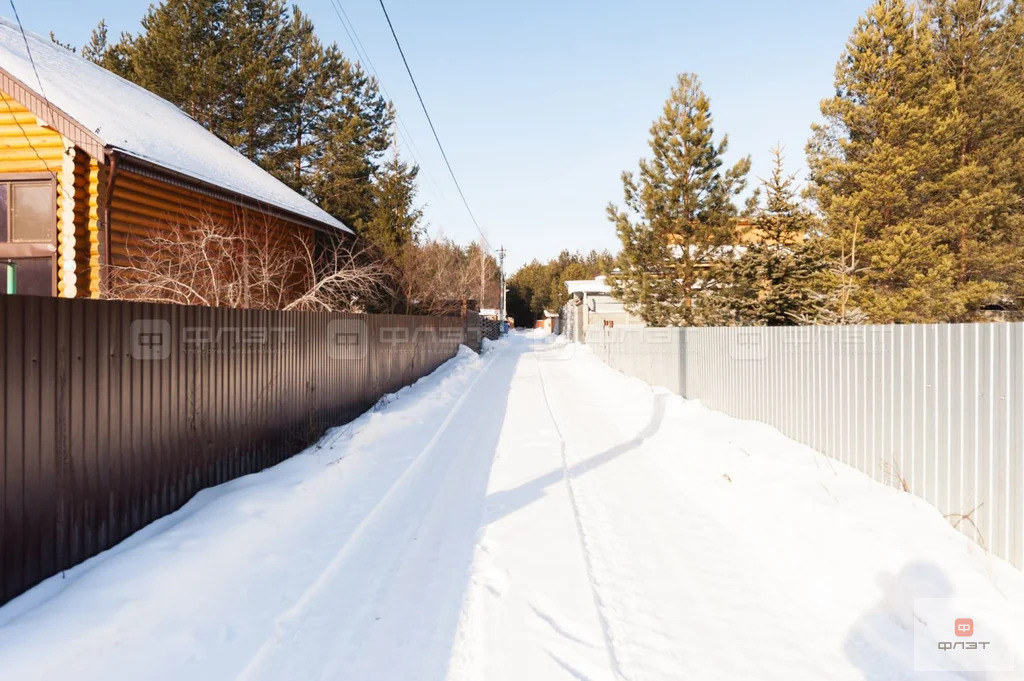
364 55
432 128
28 51
361 50
42 92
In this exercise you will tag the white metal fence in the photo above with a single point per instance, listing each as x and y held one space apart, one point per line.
939 408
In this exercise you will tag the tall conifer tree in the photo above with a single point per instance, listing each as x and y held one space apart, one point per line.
396 219
976 205
876 162
679 214
255 74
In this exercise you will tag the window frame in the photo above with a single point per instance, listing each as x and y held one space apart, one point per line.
39 249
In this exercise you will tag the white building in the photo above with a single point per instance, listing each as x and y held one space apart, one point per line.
591 304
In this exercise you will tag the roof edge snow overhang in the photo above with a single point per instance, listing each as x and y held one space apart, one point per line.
91 144
51 116
588 286
133 164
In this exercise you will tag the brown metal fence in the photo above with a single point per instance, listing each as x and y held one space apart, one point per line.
113 414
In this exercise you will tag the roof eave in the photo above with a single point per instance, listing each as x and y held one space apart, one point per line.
139 166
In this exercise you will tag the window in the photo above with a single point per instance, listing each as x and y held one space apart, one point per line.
28 232
32 206
4 192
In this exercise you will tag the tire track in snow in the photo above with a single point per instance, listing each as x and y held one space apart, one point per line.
677 580
606 633
307 597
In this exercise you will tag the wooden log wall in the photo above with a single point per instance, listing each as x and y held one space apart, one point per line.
29 146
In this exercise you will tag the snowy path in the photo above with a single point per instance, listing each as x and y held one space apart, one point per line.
529 514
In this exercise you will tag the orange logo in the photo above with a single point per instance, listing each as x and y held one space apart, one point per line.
964 626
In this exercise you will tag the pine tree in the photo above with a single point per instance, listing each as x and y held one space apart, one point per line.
679 215
180 55
67 46
599 262
773 279
311 85
1010 143
113 58
256 75
832 292
97 45
540 287
977 204
877 163
352 138
255 55
533 281
559 294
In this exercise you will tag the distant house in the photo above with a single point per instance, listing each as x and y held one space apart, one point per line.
549 321
746 233
92 165
591 304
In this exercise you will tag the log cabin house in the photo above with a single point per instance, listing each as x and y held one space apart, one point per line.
91 165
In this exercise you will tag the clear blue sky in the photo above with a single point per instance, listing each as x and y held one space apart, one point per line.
541 105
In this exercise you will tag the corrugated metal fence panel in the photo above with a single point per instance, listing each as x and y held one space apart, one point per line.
113 414
938 409
651 354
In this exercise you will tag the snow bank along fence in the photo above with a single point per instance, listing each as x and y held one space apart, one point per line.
113 414
935 409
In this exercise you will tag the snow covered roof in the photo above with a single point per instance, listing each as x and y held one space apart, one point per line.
724 252
134 121
596 285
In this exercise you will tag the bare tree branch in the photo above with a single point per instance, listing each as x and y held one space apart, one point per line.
251 262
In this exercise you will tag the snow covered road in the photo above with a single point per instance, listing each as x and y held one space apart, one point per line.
526 514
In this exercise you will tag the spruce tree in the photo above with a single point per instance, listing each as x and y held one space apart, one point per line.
774 277
679 215
396 219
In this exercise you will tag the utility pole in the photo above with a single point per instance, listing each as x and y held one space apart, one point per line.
501 280
483 278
